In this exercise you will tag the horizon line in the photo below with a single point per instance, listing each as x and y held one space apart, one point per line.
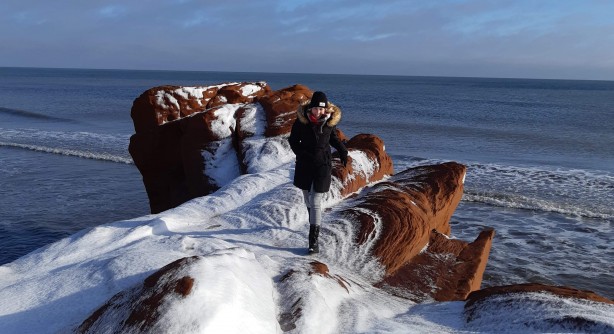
299 73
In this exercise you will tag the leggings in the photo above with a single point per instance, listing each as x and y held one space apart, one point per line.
313 200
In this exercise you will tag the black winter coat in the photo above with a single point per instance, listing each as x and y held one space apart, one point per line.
311 143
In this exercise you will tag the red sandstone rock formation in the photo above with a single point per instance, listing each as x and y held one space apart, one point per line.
280 107
408 206
176 126
373 147
164 104
138 309
413 209
449 269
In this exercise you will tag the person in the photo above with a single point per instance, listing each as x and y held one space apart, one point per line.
313 133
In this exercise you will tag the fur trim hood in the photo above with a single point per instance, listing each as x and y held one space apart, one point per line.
333 110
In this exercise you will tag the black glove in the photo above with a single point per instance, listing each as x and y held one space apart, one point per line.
344 158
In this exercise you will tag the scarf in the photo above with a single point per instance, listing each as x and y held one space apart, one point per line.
318 121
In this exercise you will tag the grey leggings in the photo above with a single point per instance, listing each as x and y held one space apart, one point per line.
313 200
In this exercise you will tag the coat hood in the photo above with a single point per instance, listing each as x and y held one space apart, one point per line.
333 110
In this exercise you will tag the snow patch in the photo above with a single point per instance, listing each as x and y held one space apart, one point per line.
250 89
221 162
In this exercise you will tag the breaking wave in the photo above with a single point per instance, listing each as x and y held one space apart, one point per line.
69 152
85 145
30 114
573 192
528 203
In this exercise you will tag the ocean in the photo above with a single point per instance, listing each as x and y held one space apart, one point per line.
540 157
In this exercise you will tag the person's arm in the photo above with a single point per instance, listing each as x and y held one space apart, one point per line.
339 146
294 140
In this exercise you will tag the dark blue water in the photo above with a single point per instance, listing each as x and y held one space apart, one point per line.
540 157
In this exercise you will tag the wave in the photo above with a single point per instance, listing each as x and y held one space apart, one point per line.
572 192
71 152
30 114
89 145
528 203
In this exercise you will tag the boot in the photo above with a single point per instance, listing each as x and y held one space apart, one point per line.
314 230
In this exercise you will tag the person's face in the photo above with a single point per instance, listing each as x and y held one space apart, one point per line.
318 111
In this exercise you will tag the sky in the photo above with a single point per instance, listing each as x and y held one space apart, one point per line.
559 39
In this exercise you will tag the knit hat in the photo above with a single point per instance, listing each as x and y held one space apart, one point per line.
318 99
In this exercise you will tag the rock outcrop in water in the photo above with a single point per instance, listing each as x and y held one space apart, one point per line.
174 126
185 135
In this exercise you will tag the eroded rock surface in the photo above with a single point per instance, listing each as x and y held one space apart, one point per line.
449 269
400 213
138 309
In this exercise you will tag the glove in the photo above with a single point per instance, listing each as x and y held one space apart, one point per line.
344 158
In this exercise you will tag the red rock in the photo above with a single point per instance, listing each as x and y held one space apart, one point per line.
373 147
280 107
168 146
449 269
319 268
408 206
231 94
160 105
138 309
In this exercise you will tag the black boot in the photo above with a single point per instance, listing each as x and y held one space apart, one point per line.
314 230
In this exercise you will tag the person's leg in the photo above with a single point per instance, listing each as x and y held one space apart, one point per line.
316 207
315 219
307 201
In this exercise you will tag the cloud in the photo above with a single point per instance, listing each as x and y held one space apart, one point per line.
112 11
338 36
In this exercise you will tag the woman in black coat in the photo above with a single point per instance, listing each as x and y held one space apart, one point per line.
311 137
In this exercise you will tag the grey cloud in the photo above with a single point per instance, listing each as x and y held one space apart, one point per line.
479 37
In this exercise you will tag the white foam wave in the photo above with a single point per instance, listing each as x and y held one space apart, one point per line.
70 152
573 192
527 203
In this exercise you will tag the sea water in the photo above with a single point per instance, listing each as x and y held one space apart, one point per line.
540 157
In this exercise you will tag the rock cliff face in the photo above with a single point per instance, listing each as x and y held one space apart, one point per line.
175 128
181 130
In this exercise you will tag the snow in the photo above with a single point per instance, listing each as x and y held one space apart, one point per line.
249 234
239 293
224 123
250 89
189 93
221 163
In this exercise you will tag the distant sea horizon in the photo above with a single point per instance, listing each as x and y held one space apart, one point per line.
303 73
